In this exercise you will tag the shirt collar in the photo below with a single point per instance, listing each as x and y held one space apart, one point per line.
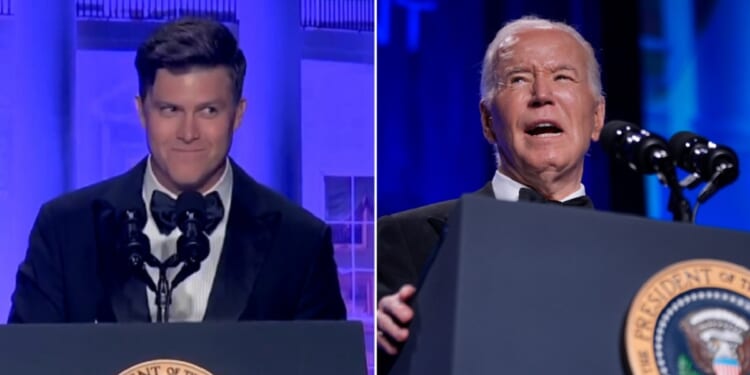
223 186
506 188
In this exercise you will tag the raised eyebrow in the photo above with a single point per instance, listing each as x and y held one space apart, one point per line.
213 103
516 70
560 68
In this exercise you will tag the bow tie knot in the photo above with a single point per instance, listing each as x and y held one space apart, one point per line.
163 211
530 195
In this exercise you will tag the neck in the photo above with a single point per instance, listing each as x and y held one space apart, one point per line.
552 185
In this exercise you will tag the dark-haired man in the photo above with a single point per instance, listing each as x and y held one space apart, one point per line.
268 260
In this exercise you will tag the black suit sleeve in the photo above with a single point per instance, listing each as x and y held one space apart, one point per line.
321 297
39 294
405 242
395 264
395 268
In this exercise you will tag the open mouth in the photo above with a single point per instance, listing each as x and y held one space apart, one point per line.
544 129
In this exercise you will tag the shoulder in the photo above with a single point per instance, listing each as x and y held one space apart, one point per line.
421 225
262 201
291 211
79 200
432 213
121 189
436 211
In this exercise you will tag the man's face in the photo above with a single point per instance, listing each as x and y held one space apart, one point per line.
544 113
190 117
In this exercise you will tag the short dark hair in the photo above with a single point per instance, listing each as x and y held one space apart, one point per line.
187 43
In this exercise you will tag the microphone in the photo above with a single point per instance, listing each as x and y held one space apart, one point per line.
192 245
715 164
192 248
134 246
647 153
644 152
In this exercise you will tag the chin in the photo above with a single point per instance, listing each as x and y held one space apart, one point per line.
539 167
545 160
185 176
187 185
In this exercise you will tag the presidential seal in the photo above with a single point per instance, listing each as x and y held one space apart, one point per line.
165 367
691 318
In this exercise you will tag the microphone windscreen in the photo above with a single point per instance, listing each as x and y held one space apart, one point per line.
681 141
611 131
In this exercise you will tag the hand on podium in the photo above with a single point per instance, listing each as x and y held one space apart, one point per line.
394 314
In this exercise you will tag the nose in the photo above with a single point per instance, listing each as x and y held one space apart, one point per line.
541 92
188 130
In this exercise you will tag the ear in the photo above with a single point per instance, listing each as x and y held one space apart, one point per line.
139 106
486 117
599 113
239 113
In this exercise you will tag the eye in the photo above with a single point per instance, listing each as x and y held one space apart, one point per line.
209 111
167 109
517 79
563 77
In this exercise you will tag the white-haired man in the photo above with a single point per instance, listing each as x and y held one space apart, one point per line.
541 107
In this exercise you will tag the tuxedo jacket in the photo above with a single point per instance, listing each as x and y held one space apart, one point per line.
407 239
406 243
276 263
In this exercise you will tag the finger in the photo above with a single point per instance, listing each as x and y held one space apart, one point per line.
407 292
396 308
385 345
390 328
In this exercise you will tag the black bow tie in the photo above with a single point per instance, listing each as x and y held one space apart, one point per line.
529 195
163 211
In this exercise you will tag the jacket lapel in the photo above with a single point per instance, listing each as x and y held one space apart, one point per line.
250 233
126 294
438 221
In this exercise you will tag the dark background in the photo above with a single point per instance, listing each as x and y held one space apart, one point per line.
666 65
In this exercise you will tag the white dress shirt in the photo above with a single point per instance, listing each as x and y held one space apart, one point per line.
506 189
190 298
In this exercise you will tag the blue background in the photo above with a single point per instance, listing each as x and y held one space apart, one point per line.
667 65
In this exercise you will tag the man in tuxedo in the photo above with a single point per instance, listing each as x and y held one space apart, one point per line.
541 107
268 258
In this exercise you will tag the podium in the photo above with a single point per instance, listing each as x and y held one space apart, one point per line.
525 288
244 348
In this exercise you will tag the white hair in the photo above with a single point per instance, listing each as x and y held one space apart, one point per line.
492 55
